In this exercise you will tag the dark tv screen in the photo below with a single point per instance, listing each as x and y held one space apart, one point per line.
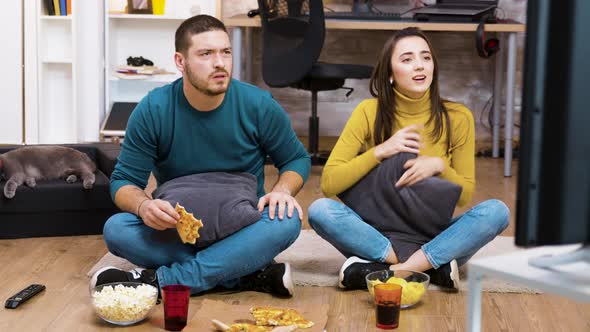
553 198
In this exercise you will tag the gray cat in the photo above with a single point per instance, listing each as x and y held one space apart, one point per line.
32 163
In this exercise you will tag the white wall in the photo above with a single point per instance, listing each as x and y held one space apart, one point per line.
11 91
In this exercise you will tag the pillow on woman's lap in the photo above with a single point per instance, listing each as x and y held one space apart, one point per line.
415 213
225 202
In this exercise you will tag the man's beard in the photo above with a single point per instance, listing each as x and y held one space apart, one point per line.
202 86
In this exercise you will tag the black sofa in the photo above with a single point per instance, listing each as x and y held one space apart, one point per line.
56 208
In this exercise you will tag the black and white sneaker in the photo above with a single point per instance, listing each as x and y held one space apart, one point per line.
274 279
112 274
447 276
353 272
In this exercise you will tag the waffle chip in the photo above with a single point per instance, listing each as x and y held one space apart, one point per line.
245 327
279 317
187 226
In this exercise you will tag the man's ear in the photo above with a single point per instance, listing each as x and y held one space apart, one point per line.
179 61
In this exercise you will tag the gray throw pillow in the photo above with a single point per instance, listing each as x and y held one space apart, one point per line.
225 202
414 213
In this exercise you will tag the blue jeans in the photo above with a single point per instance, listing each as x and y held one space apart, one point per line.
222 263
467 233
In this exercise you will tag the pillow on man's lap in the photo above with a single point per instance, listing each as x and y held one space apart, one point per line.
225 202
415 213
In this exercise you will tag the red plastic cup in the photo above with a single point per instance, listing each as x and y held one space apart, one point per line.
387 305
175 299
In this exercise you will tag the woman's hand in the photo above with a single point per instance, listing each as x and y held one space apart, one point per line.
406 139
419 169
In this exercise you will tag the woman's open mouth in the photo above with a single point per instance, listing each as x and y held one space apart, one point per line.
419 78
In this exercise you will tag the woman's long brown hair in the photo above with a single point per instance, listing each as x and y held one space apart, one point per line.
381 88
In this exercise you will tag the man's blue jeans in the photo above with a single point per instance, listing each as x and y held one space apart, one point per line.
222 263
467 233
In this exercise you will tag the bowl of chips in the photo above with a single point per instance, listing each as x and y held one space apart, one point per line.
414 284
124 303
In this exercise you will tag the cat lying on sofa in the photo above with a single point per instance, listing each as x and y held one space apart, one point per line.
33 163
57 208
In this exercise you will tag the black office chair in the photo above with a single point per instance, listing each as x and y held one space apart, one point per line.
292 37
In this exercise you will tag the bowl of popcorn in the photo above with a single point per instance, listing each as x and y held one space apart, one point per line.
414 284
124 303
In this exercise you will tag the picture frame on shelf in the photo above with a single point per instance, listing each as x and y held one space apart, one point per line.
139 7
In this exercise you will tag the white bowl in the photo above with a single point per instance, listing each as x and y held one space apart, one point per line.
124 303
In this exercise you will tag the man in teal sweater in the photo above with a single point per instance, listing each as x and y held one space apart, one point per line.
205 122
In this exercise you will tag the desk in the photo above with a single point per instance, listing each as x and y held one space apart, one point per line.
243 22
572 282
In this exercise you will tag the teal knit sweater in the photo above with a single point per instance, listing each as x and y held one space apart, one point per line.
167 136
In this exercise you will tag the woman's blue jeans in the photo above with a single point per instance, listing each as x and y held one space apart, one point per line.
467 233
222 263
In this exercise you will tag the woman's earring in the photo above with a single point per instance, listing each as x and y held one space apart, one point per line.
391 81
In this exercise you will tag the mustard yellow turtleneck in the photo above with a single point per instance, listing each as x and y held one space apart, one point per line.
345 166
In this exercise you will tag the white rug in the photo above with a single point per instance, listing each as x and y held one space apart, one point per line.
315 262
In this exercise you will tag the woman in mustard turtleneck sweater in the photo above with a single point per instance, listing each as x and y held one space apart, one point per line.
406 115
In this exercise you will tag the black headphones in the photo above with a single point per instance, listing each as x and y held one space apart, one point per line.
485 48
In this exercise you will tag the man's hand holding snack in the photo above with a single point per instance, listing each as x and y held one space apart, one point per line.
158 214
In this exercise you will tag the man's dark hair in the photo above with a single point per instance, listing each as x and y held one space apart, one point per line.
193 26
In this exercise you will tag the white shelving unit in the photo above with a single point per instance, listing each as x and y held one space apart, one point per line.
56 78
63 73
149 36
69 61
146 17
56 18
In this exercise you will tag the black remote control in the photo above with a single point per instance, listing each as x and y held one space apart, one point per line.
22 296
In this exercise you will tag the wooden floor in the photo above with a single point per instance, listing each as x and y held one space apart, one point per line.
61 264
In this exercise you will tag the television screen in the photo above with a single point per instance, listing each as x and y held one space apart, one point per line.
553 199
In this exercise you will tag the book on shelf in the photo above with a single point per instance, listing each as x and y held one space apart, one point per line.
49 6
63 8
56 7
131 76
139 73
142 70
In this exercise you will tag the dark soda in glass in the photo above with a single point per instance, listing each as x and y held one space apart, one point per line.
176 302
175 323
387 315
